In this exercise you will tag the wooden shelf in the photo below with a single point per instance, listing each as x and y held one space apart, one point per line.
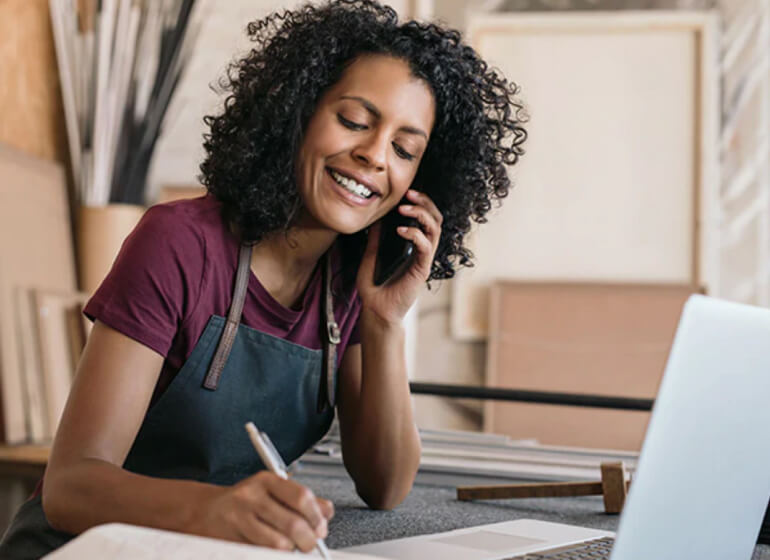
23 460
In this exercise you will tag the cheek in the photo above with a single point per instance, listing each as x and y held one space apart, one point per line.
403 179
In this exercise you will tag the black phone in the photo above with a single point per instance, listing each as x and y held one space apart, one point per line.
394 254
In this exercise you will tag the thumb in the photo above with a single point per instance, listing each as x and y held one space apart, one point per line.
327 508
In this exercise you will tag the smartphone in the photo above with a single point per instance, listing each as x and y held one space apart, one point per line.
394 254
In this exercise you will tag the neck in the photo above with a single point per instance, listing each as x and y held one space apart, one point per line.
293 254
284 261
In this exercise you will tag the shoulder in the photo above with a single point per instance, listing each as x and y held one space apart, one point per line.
183 227
182 217
156 281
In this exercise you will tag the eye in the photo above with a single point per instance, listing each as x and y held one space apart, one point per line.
350 124
402 153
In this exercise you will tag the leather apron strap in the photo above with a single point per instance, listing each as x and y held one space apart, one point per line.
233 320
327 395
330 334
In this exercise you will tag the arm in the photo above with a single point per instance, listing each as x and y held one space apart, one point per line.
86 486
380 442
84 483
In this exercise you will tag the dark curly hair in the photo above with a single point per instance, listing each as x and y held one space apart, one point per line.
252 145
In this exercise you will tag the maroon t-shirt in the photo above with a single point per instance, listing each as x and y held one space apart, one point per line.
177 269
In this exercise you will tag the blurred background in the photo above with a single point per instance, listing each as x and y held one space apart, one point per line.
646 179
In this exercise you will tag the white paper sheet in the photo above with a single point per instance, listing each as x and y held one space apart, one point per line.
127 542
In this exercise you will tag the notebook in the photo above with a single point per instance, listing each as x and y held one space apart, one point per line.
117 541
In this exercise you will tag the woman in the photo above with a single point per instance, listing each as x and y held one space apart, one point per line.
331 119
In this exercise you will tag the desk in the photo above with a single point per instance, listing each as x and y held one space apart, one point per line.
432 509
429 508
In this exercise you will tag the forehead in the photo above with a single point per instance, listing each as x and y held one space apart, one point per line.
389 84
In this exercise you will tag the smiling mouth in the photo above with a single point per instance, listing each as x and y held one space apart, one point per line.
350 185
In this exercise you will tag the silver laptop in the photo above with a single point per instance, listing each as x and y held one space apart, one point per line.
703 478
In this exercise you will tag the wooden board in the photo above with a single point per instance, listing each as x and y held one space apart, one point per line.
35 409
33 118
603 339
620 174
61 341
35 250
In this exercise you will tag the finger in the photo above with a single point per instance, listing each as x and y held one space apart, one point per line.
327 508
298 498
428 222
422 244
255 531
290 524
425 201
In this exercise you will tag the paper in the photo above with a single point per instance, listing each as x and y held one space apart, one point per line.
127 542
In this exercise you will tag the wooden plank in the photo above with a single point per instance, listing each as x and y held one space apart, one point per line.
33 118
537 490
59 353
603 339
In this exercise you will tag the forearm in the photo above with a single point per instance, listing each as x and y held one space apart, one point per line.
91 492
383 445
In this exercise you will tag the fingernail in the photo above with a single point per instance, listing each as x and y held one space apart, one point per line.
323 529
407 207
402 229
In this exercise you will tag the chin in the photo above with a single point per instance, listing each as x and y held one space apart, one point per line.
344 223
347 228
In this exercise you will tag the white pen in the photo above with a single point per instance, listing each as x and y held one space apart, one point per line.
273 461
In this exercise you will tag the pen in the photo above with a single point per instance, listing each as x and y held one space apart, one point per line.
273 461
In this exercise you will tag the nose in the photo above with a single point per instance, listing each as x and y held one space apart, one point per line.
371 152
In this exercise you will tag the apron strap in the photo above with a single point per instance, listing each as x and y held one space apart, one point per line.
233 320
330 335
331 338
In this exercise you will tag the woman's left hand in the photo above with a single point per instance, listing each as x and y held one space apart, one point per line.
393 299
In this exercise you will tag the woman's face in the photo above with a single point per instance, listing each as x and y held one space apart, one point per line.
363 144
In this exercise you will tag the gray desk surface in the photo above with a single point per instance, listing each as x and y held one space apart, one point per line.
432 509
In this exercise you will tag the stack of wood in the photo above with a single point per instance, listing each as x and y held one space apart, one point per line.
42 329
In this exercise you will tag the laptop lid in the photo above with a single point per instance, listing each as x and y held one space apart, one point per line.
703 478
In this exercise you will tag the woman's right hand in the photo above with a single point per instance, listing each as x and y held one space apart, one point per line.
265 510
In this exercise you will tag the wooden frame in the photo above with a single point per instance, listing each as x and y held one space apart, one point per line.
698 262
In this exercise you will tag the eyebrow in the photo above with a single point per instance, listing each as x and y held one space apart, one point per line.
376 112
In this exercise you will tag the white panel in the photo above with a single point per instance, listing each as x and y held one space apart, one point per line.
606 189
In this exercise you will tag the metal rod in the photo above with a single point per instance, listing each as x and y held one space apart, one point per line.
543 397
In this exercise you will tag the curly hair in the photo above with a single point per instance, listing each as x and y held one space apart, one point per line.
273 91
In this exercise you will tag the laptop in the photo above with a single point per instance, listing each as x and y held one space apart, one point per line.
703 478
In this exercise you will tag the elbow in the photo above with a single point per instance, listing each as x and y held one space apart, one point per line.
387 492
54 504
62 498
384 499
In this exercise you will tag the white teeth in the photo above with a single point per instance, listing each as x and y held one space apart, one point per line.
351 185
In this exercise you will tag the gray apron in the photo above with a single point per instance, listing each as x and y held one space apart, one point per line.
195 431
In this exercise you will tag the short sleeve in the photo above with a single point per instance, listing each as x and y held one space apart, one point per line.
155 281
